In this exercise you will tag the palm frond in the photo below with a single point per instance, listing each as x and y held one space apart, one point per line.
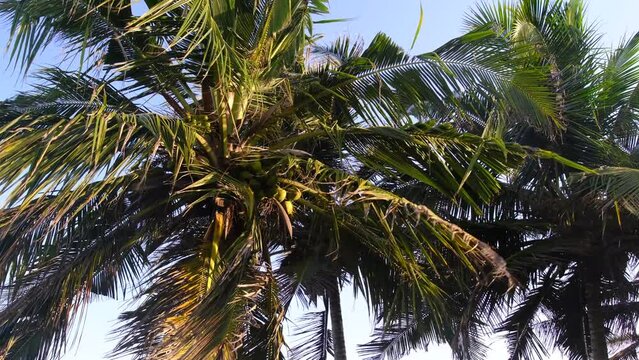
313 337
617 186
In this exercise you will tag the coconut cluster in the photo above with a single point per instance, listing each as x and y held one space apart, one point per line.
265 184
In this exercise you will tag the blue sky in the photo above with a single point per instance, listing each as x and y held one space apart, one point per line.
443 20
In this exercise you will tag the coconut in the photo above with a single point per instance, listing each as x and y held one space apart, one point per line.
270 191
294 195
255 167
271 180
245 175
255 184
281 194
288 205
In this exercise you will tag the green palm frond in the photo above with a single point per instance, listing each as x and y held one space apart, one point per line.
102 253
67 94
83 24
617 186
424 83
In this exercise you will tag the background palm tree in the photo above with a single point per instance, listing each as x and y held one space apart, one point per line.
559 235
202 160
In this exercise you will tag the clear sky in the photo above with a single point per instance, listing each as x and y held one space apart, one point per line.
442 21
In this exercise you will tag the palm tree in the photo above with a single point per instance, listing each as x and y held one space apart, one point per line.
616 188
214 160
561 239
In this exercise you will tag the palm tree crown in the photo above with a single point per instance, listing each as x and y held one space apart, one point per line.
216 160
559 233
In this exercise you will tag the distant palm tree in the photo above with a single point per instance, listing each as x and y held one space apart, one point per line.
215 161
560 236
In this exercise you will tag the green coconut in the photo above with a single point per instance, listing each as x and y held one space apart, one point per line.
271 180
245 175
255 184
255 167
270 191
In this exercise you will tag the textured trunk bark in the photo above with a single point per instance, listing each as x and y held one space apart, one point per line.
337 325
596 327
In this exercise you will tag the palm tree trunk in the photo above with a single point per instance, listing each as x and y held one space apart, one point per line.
214 234
337 325
596 326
